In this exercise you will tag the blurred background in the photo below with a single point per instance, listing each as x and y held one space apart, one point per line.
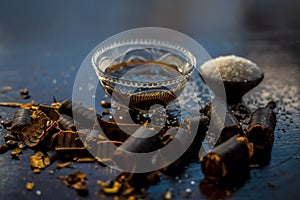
47 37
42 44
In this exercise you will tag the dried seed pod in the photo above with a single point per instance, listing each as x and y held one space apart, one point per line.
85 117
21 118
34 132
261 133
11 143
228 163
223 126
3 148
142 141
66 122
6 123
10 137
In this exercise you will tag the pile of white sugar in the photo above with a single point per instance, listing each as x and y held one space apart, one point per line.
232 68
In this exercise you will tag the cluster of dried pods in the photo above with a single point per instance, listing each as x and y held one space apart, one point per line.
52 133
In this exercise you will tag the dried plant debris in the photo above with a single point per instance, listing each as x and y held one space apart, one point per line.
24 93
76 181
16 152
39 161
67 131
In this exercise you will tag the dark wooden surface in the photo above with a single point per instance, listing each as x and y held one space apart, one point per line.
42 44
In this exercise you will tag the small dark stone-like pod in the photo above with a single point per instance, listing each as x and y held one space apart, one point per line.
11 143
21 118
3 148
10 137
228 163
261 133
6 123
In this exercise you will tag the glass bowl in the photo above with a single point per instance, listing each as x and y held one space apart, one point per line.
142 72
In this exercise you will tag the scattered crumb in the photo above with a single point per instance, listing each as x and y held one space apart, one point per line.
30 186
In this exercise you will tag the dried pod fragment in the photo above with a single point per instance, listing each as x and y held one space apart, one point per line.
76 181
3 148
24 91
10 137
37 161
34 132
50 111
6 123
261 133
228 163
21 118
11 143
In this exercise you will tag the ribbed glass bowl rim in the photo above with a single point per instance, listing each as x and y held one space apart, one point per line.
151 43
